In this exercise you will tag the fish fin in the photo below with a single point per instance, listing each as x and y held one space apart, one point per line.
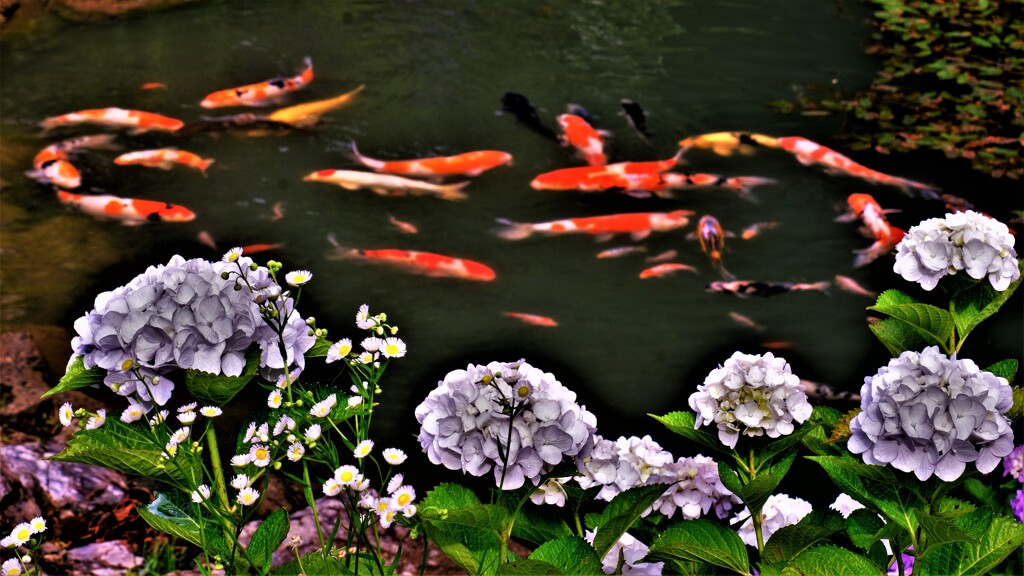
891 211
513 230
205 164
453 191
846 217
640 234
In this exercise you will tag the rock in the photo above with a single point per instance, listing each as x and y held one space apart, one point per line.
104 559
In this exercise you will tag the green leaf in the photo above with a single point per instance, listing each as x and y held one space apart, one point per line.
267 538
701 541
862 526
756 492
316 563
782 444
571 555
895 496
172 514
1017 410
684 423
468 532
897 336
971 306
449 495
931 322
531 567
622 512
789 542
130 449
77 377
1004 369
939 531
217 389
319 348
536 528
998 537
832 561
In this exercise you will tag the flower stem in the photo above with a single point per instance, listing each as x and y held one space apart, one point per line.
307 491
218 470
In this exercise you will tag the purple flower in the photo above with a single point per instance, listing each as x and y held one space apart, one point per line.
1017 506
1013 465
779 510
929 414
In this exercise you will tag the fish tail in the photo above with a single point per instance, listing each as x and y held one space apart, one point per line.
372 163
307 73
513 230
94 142
204 164
765 140
742 185
340 252
453 191
822 287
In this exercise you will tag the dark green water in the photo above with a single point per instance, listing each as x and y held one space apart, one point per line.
434 75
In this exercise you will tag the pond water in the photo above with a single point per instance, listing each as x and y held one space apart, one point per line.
435 73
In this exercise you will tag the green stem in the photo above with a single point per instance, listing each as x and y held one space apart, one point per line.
308 493
758 533
218 470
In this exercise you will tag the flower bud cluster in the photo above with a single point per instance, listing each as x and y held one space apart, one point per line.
779 510
752 394
929 414
512 418
967 241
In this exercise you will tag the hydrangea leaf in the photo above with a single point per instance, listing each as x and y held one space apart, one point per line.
934 324
830 560
449 496
684 423
875 487
939 531
701 541
897 336
894 297
998 537
981 492
314 563
217 389
622 512
77 376
789 542
531 567
782 444
862 526
570 555
1004 369
971 306
755 493
268 536
1017 410
535 528
466 531
171 514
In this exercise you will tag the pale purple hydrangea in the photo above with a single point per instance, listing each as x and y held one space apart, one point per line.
929 414
779 510
464 423
1017 506
1013 465
845 505
752 394
967 241
632 552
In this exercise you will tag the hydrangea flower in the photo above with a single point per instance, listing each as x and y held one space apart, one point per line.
845 505
1017 506
967 241
632 551
780 510
472 422
752 394
929 414
1013 465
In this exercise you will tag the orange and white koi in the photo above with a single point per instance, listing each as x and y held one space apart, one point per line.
164 159
712 241
620 251
261 93
756 228
744 288
533 319
387 184
308 114
466 164
666 255
745 321
638 225
640 183
135 121
850 285
402 225
594 178
665 269
129 211
257 248
416 262
872 214
53 166
576 132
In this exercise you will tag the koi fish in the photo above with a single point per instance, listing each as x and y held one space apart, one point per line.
817 391
164 159
712 242
665 269
744 288
52 164
520 107
206 239
136 121
153 86
403 226
745 321
725 143
666 255
638 225
582 136
620 251
577 110
873 215
387 184
850 285
308 114
532 319
261 93
636 117
257 248
777 345
466 164
956 203
426 263
277 211
129 211
643 179
756 228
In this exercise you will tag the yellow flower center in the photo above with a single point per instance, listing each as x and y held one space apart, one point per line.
404 499
344 350
23 534
391 349
347 476
523 391
262 454
127 364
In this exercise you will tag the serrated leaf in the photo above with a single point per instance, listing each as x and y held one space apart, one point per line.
172 515
571 555
622 512
862 526
319 348
536 528
875 486
77 377
683 423
447 495
789 542
782 444
939 531
970 307
317 563
897 336
217 389
466 531
268 536
832 561
893 297
931 322
531 568
701 541
998 538
1004 369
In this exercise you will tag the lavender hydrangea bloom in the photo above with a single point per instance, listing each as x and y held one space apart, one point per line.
930 414
780 510
752 394
632 551
475 422
1017 506
967 241
1013 465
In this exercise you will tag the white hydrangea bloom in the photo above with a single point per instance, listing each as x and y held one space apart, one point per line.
780 510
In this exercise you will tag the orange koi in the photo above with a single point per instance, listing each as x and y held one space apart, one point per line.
136 121
403 226
576 132
256 248
466 164
532 319
52 164
129 211
595 178
206 239
725 143
666 255
426 263
638 225
665 269
745 321
387 184
164 159
641 183
306 115
876 226
756 228
777 345
744 288
620 251
261 93
850 285
153 86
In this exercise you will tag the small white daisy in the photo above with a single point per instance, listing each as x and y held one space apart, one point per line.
233 254
239 481
248 496
394 456
240 460
11 567
371 344
260 455
387 518
170 450
38 524
409 511
347 474
66 413
187 417
312 433
393 348
275 398
187 408
339 350
132 413
284 423
210 411
249 432
367 357
159 417
354 401
404 496
201 493
363 320
363 449
298 277
332 487
295 452
361 484
395 483
283 382
180 435
96 421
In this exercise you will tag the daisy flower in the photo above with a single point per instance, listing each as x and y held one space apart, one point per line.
295 452
11 567
180 435
312 433
275 398
409 511
285 422
201 493
66 413
187 417
210 411
297 278
260 455
393 348
249 432
248 496
132 413
292 376
363 319
363 449
361 484
371 344
170 450
354 401
187 408
387 518
21 533
159 417
96 421
240 481
367 357
339 350
404 496
233 254
240 460
394 456
332 487
395 483
322 408
347 474
38 524
262 433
